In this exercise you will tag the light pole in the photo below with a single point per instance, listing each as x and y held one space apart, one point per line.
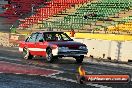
71 26
82 23
32 8
51 26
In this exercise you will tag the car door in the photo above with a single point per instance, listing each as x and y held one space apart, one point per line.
30 44
41 45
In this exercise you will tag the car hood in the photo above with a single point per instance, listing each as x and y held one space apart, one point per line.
66 43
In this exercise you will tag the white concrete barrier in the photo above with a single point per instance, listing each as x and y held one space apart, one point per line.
121 51
126 51
113 50
101 48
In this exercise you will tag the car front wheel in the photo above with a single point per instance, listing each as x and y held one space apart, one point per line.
49 55
79 59
26 54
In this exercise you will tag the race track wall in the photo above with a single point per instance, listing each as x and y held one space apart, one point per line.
116 50
126 50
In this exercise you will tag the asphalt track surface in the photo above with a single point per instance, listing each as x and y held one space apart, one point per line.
16 72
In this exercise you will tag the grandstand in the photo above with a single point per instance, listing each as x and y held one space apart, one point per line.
102 10
13 10
103 16
123 25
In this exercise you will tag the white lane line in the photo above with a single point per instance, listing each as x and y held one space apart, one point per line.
56 73
1 72
10 50
97 85
18 73
33 74
64 79
112 64
9 58
74 81
106 69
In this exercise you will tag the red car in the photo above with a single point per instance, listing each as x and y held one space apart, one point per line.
52 45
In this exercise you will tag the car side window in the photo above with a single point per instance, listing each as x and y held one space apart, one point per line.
33 37
27 40
64 37
40 37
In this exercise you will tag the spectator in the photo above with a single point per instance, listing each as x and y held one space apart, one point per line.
72 33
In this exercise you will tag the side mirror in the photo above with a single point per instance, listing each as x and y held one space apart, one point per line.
41 40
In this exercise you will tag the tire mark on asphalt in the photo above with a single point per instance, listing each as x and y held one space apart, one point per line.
9 58
8 67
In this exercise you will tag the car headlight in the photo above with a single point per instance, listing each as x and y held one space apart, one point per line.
63 48
83 47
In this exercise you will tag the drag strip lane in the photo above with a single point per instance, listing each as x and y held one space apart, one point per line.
7 67
68 67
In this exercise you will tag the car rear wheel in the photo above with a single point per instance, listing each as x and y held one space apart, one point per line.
49 55
26 54
79 59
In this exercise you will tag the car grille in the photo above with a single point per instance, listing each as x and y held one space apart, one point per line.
72 52
73 47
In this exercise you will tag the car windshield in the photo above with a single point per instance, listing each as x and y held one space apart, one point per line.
57 37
